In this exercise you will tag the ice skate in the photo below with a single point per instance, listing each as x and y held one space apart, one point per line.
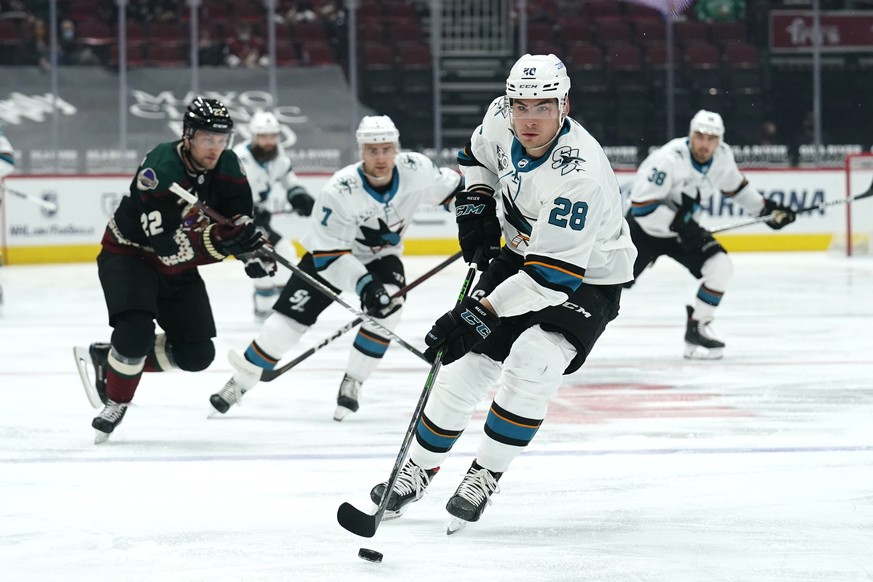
230 394
409 487
700 343
108 419
95 387
471 497
347 397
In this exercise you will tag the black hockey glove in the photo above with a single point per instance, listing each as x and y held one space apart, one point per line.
301 202
258 265
372 293
459 330
782 215
262 217
478 227
689 231
238 238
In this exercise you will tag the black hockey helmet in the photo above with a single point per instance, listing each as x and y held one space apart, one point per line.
208 115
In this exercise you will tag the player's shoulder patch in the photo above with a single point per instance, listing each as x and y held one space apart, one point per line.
147 179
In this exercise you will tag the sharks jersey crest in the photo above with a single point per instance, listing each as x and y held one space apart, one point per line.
567 160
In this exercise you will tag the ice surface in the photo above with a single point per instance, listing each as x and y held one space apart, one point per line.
758 467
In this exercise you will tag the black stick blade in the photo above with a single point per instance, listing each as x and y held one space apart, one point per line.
356 521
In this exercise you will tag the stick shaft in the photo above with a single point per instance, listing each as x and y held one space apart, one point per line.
360 523
268 250
270 375
818 206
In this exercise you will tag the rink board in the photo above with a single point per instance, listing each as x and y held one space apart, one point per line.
72 233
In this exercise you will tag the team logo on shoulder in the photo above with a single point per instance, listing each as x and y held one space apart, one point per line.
346 185
567 160
409 162
502 107
147 179
502 159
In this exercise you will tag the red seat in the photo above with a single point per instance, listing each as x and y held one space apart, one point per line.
286 54
689 32
540 32
249 11
603 8
613 31
167 54
703 56
306 32
136 56
92 32
650 32
725 33
317 54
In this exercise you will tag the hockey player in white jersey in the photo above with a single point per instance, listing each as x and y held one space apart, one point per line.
7 166
544 299
267 164
354 243
666 196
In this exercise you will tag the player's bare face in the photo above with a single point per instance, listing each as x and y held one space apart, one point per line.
535 122
378 161
703 146
206 147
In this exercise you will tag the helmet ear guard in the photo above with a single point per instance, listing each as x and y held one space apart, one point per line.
377 129
207 115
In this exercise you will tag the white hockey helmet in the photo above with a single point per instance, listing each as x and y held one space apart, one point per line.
707 122
264 122
538 77
377 129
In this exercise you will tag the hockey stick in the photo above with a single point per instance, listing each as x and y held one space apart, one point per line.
238 360
268 250
818 206
44 204
364 524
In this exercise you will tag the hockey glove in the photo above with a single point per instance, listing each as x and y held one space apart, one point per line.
372 293
478 227
689 231
301 202
459 330
262 217
258 265
237 238
782 215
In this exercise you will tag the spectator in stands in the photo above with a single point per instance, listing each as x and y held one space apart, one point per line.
245 49
712 10
210 51
770 134
301 11
37 44
68 44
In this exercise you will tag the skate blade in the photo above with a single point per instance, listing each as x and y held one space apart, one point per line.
455 525
83 362
694 352
100 437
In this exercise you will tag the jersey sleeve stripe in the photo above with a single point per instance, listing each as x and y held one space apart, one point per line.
554 274
466 157
324 259
644 208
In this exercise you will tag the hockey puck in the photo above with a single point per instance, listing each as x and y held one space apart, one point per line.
369 555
